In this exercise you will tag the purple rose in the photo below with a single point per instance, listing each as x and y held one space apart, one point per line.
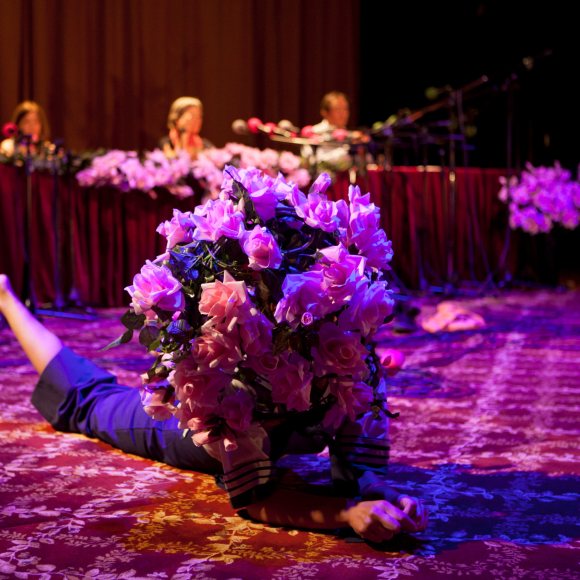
341 273
302 293
178 230
378 250
217 218
368 308
155 286
321 184
262 249
320 212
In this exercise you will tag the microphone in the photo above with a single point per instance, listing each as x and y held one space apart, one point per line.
9 130
530 61
386 127
287 125
433 93
240 127
255 125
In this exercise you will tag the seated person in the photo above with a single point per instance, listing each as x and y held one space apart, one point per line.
335 113
184 123
75 395
333 156
33 131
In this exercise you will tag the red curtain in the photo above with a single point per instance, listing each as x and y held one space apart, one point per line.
106 71
445 228
443 232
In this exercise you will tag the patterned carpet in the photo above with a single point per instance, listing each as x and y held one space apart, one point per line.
488 435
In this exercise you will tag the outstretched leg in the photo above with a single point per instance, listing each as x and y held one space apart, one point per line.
76 396
39 343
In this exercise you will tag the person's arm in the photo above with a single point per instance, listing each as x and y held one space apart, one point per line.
375 520
360 452
373 488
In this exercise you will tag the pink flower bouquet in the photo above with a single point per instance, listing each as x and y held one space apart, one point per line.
542 197
265 303
125 171
208 168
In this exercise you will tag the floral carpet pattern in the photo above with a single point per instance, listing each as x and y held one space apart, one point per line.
488 435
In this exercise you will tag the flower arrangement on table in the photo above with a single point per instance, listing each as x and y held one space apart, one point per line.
208 168
125 171
540 198
265 302
18 150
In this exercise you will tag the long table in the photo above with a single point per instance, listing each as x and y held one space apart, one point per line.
446 228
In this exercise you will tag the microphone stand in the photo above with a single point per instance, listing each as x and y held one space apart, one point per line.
474 233
57 222
28 297
450 194
58 307
501 270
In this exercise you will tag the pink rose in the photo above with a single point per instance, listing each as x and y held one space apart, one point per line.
237 409
155 286
301 177
264 363
353 398
227 301
213 349
262 249
156 403
288 162
198 391
339 352
291 382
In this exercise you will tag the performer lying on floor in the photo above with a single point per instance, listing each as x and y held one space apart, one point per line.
74 395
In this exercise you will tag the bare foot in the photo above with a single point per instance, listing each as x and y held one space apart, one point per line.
6 292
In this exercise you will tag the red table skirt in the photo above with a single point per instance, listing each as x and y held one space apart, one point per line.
444 231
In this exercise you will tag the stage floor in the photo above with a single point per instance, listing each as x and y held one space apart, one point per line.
488 435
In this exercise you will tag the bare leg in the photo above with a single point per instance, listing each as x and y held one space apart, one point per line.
39 343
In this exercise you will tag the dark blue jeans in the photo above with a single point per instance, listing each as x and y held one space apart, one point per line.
75 395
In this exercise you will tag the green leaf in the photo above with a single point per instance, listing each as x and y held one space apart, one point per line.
132 321
148 335
280 338
241 192
124 338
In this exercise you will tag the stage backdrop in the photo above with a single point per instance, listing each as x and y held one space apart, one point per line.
106 71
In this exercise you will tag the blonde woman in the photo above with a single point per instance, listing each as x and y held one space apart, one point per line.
184 123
